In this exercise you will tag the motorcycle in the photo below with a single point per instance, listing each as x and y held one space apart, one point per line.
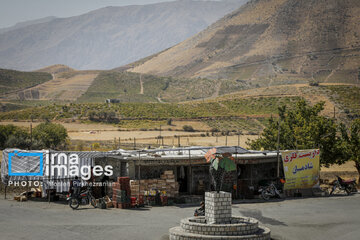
269 191
200 211
348 186
84 198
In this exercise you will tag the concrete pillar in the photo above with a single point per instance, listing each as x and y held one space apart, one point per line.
217 207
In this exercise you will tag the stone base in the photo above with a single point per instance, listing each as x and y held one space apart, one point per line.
176 233
218 223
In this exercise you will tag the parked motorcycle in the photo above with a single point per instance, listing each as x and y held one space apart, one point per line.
269 191
348 186
84 198
200 211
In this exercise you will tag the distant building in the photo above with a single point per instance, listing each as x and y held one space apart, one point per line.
112 100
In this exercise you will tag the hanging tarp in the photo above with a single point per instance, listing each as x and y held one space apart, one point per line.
22 165
301 168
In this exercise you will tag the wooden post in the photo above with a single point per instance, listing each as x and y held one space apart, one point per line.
134 143
238 140
119 142
226 140
178 141
31 137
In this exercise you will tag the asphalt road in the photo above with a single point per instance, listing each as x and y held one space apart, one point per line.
298 219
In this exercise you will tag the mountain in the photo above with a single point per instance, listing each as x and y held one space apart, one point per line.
269 42
108 37
27 23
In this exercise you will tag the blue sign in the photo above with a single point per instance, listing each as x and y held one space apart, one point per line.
17 154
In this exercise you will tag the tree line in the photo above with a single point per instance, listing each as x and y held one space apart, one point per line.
44 135
303 127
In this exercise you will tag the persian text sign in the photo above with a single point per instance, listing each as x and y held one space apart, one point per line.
301 168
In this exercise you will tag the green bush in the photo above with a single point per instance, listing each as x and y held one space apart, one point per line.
51 135
188 128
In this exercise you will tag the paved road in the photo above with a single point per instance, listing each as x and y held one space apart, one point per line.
300 219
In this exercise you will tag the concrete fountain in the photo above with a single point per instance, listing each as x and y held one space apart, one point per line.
218 222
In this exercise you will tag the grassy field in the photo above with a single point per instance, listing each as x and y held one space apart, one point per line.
157 111
134 87
348 97
11 80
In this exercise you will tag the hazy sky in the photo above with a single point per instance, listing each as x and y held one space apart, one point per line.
13 11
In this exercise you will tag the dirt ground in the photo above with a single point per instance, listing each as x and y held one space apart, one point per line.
346 171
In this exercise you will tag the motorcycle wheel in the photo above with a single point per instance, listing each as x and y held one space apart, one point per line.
353 187
74 203
265 195
92 201
278 195
332 190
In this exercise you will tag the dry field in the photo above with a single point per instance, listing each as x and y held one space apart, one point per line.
193 140
346 171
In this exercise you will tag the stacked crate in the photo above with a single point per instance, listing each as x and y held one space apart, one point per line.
166 183
122 193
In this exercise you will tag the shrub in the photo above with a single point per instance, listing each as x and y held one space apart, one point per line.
188 128
51 135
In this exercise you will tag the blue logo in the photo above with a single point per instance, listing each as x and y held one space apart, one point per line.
33 157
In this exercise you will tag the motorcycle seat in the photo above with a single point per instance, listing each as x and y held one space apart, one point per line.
348 181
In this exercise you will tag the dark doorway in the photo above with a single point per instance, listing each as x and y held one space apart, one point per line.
182 179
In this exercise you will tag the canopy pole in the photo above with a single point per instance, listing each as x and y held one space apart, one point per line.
49 177
139 180
278 152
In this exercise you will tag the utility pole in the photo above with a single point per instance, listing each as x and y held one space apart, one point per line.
31 137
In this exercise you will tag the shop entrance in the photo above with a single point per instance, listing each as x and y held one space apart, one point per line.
182 179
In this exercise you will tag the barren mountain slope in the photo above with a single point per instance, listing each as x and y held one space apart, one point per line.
271 42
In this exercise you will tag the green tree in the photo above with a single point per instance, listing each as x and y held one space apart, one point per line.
303 128
51 135
13 137
351 143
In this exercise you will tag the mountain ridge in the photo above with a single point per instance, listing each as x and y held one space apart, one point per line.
268 42
108 37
